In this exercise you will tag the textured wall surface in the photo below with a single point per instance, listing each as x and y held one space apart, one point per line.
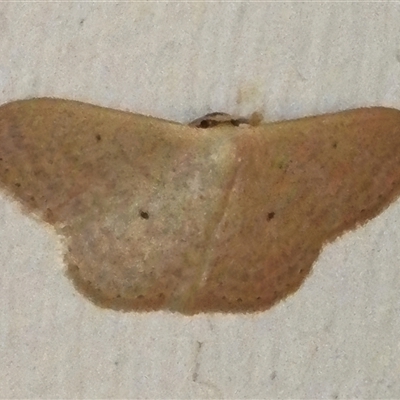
337 337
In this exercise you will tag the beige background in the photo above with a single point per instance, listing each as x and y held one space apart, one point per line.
337 337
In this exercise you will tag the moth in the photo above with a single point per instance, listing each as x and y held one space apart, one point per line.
222 215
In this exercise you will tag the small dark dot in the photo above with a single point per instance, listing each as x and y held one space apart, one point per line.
270 216
1 159
140 297
334 145
118 296
98 137
6 169
258 298
82 21
205 124
17 184
144 214
239 300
